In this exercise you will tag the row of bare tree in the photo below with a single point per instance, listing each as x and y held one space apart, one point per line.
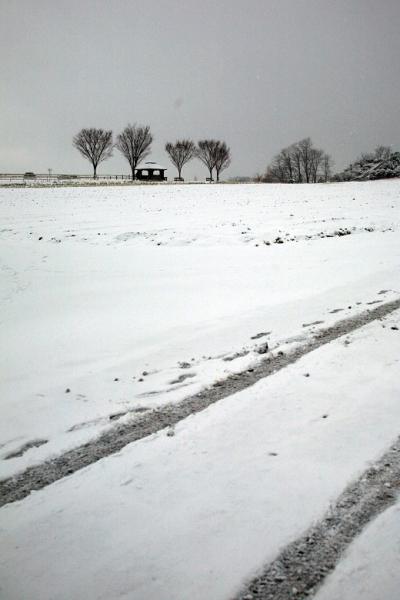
299 163
135 141
214 154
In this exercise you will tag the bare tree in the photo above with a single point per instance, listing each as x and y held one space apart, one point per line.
134 144
206 152
288 163
286 167
305 148
94 144
283 167
316 157
299 163
222 158
180 153
327 164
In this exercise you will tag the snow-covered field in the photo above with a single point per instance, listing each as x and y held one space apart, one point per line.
115 300
134 297
193 515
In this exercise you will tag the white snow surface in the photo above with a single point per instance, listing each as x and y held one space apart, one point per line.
370 569
101 285
196 514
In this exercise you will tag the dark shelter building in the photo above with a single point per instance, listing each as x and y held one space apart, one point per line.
151 171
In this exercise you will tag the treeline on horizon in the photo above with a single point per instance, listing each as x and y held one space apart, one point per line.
303 163
300 162
134 143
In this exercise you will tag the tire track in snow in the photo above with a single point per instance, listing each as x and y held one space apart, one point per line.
301 568
113 440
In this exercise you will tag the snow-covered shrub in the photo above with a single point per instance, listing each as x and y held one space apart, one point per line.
381 164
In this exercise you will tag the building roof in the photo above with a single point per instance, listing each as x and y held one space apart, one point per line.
151 165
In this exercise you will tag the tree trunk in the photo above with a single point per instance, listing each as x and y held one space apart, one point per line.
217 172
94 171
210 174
133 173
179 172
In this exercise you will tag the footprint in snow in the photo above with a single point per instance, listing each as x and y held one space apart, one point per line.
182 378
184 365
313 323
24 448
84 424
126 482
296 338
165 391
118 415
231 357
260 335
122 413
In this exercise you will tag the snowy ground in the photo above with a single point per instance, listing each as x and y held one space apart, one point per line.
100 286
120 299
370 568
195 514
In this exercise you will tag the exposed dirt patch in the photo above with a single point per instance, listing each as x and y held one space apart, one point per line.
321 235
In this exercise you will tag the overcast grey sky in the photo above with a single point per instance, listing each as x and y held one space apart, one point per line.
258 73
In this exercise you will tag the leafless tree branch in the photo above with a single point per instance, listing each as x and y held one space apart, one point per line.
94 144
134 144
222 158
180 153
206 152
299 163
